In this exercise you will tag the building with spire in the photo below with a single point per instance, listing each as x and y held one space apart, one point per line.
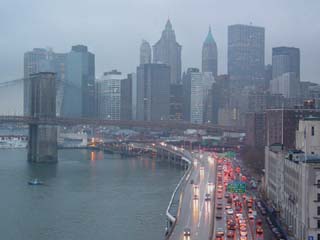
210 55
168 51
145 52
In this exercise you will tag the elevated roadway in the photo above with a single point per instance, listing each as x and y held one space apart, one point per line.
196 213
63 121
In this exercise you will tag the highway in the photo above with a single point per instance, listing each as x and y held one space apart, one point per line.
196 214
208 218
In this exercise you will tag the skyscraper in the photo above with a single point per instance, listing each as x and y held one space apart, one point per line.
210 55
35 61
153 92
109 95
246 53
196 91
79 87
126 98
285 71
59 62
168 51
145 52
284 60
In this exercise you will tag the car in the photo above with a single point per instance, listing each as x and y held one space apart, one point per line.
230 234
230 211
219 205
251 217
231 226
219 196
259 230
243 228
218 215
220 232
187 232
259 222
207 197
227 207
196 189
243 238
243 233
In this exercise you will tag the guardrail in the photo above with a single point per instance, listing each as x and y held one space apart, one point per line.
185 156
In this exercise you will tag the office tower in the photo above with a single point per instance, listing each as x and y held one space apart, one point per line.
108 89
35 61
176 99
59 63
220 96
79 88
286 71
153 92
284 60
286 84
267 76
196 90
246 55
255 129
126 98
134 91
210 55
168 51
145 52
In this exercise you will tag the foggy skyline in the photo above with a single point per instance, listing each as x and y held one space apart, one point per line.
113 30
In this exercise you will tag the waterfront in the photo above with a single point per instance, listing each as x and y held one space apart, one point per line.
87 195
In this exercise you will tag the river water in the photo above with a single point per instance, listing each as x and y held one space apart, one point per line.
87 195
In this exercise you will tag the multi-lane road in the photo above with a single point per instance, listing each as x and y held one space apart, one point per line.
204 204
196 212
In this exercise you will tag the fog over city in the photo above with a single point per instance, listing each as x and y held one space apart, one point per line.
160 119
114 29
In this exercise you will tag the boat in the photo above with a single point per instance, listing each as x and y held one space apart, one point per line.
35 182
13 142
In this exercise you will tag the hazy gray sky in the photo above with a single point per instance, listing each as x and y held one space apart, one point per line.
113 29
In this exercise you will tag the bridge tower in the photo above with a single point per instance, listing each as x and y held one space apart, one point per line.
42 145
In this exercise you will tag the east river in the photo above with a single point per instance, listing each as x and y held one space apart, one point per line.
87 195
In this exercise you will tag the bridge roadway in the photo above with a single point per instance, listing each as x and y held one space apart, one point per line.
165 124
197 214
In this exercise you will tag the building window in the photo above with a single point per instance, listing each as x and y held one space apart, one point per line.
318 224
318 197
318 183
318 236
312 131
318 210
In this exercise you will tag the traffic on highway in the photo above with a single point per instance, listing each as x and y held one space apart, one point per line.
222 205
